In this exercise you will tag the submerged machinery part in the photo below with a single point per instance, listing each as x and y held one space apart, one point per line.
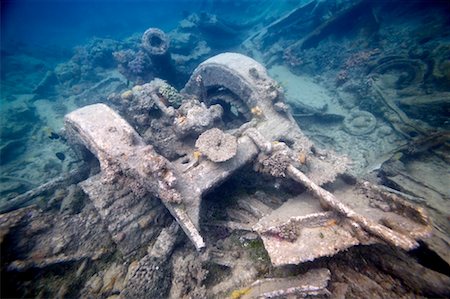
240 75
127 162
155 42
359 123
248 85
125 158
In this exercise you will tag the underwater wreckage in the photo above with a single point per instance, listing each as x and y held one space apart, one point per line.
229 115
214 150
214 191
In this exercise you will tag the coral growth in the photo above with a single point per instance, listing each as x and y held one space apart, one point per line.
217 145
170 94
135 66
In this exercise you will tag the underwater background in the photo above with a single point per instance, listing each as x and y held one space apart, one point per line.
38 37
366 80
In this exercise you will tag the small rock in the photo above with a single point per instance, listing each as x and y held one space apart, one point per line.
249 237
61 156
113 278
94 284
73 202
131 269
384 131
127 95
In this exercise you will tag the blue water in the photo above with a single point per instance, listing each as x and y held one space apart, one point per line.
77 41
69 23
40 38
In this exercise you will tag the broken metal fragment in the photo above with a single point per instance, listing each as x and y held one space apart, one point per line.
381 231
35 242
10 220
126 161
300 231
303 238
133 175
23 265
311 284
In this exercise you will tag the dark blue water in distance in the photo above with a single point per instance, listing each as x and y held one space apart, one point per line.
68 23
363 84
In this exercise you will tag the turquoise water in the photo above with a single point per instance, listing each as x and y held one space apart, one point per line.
42 38
69 23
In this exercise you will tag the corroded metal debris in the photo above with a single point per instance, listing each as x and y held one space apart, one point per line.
242 124
125 161
311 284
